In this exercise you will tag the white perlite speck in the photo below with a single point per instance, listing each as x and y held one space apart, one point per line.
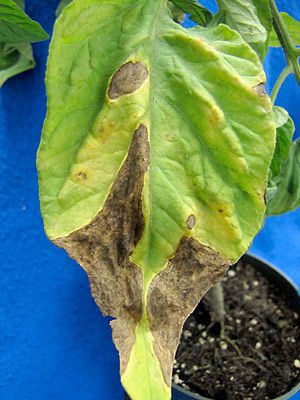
223 345
261 384
187 334
296 363
177 380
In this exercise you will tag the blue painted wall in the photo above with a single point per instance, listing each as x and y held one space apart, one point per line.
54 342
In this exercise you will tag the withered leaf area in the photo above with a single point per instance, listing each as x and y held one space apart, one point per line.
103 248
176 291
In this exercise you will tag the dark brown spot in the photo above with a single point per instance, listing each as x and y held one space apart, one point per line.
127 79
260 90
103 248
221 211
82 175
175 292
191 221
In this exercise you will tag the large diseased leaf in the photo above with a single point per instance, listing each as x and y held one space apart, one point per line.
250 19
16 26
152 167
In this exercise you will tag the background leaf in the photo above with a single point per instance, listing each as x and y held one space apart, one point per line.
198 13
285 130
61 6
284 177
177 14
287 195
293 28
244 17
16 26
14 59
264 14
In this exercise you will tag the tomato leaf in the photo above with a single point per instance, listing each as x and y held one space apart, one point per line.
198 13
285 130
284 177
293 28
177 14
287 195
61 6
264 14
153 166
249 18
14 59
16 26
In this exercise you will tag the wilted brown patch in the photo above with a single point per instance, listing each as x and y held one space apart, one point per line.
175 292
260 89
103 248
127 79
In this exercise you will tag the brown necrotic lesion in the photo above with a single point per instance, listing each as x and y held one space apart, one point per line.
191 221
103 247
127 79
175 292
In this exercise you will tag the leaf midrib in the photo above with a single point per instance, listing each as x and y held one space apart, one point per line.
152 48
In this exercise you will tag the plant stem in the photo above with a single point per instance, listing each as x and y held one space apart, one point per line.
287 70
217 303
291 52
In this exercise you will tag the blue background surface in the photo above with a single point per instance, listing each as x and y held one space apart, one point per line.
54 342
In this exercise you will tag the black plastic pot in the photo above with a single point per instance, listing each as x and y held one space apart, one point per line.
287 287
290 291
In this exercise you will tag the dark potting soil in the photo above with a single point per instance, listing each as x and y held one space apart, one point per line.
259 355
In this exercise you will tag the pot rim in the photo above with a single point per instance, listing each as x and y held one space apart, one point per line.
279 278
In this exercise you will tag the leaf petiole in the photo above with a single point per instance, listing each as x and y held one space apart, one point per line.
287 70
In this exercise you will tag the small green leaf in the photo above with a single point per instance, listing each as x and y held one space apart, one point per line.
61 6
244 17
199 14
283 187
293 28
264 14
14 59
16 26
284 136
287 195
177 14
